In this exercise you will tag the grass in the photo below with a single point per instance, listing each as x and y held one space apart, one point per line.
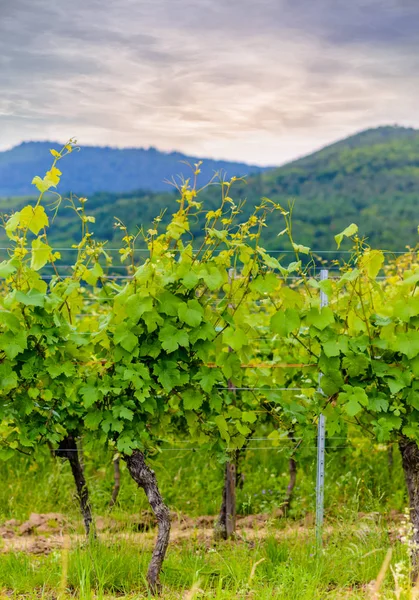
357 479
277 566
277 561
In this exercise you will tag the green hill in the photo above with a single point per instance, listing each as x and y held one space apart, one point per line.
371 178
97 169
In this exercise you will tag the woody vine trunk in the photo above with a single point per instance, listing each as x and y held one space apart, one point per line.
145 478
225 526
410 461
117 482
68 449
292 469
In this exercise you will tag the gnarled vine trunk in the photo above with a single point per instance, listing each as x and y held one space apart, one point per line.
410 461
145 478
390 459
68 449
225 526
117 482
292 469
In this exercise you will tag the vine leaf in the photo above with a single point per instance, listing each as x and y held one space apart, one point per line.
34 219
352 229
40 254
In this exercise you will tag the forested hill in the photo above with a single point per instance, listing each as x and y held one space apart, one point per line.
371 178
102 169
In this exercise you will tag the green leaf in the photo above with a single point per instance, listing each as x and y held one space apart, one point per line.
413 399
220 234
349 276
407 343
355 364
191 313
137 305
169 375
126 413
208 378
129 341
412 279
190 280
212 276
13 343
125 338
216 402
92 275
10 320
12 224
353 399
301 249
265 283
243 429
291 298
125 444
326 286
32 298
34 218
6 268
320 319
235 338
40 254
53 176
8 377
352 229
269 260
283 322
221 423
171 338
378 403
249 417
41 184
192 399
169 303
92 420
332 382
90 395
331 348
371 262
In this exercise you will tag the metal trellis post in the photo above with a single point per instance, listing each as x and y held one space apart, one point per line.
321 436
230 472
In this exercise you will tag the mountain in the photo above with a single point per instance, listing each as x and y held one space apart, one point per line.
98 169
371 178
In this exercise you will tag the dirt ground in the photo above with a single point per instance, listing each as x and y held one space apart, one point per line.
43 533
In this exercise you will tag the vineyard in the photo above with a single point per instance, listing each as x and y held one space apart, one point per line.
177 386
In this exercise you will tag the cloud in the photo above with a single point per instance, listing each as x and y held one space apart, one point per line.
261 81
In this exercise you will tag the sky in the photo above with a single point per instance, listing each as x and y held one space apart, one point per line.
262 81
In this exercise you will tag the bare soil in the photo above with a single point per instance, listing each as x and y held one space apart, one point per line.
43 533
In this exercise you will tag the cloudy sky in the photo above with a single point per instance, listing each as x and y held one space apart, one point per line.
257 80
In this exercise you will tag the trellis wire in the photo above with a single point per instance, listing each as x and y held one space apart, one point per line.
199 449
337 251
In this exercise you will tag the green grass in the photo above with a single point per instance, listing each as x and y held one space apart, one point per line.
357 479
283 567
360 493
